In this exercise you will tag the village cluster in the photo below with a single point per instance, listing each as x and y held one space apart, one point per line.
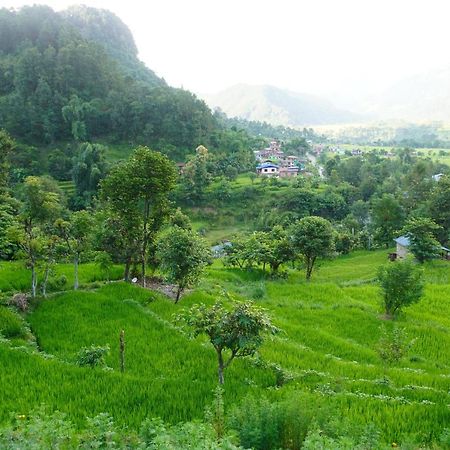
273 162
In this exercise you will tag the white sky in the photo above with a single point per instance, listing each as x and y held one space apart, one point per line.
315 46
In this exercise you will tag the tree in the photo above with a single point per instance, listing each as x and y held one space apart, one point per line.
196 177
183 255
77 234
140 186
41 204
89 168
6 147
422 242
237 331
387 218
402 285
312 237
440 207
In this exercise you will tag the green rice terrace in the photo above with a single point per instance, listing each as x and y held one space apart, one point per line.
325 360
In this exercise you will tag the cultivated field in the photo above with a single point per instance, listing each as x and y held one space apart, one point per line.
325 355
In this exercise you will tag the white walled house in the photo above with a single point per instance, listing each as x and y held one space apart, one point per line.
268 169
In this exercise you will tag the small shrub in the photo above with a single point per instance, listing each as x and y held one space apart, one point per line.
20 301
394 345
92 356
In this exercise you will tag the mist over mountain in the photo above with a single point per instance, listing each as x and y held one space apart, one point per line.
422 97
278 106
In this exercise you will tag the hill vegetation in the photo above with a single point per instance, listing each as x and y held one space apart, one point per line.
128 284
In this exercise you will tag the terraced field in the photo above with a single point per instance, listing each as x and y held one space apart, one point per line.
327 351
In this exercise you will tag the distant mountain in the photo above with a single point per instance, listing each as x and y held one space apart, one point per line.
278 106
423 97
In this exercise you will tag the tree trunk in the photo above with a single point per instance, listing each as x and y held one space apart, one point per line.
126 275
220 367
33 280
44 283
179 291
75 267
144 241
309 267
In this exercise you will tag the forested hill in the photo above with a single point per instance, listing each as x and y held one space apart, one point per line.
76 75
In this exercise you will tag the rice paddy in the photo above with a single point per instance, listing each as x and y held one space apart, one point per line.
327 350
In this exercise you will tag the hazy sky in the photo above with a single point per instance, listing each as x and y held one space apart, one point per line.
316 46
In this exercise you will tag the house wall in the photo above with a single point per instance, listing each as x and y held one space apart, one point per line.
401 251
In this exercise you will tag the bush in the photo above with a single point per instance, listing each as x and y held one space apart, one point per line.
402 285
264 425
19 301
92 356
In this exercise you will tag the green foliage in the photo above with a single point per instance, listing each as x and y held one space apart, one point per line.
89 168
394 345
239 330
312 237
183 256
44 430
93 356
196 178
402 285
75 74
387 218
421 233
440 207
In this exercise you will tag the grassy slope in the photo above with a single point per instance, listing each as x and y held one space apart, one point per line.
15 277
331 328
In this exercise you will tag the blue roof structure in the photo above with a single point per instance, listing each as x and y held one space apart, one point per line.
267 166
403 241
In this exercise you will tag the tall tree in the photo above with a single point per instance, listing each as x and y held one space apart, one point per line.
388 218
41 205
312 237
77 234
421 232
142 184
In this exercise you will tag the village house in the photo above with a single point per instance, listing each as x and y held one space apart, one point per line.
268 169
402 248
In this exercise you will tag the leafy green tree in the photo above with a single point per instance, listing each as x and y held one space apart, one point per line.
440 207
77 234
89 168
421 232
402 285
237 331
196 178
312 237
41 204
388 216
140 186
118 233
183 256
6 147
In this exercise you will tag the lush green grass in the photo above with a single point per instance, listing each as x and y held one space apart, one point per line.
14 276
331 330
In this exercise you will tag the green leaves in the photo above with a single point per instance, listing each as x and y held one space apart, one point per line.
402 285
183 255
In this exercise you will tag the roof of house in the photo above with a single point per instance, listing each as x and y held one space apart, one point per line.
267 165
404 241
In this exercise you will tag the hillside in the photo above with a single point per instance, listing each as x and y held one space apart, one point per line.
75 75
325 355
277 106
